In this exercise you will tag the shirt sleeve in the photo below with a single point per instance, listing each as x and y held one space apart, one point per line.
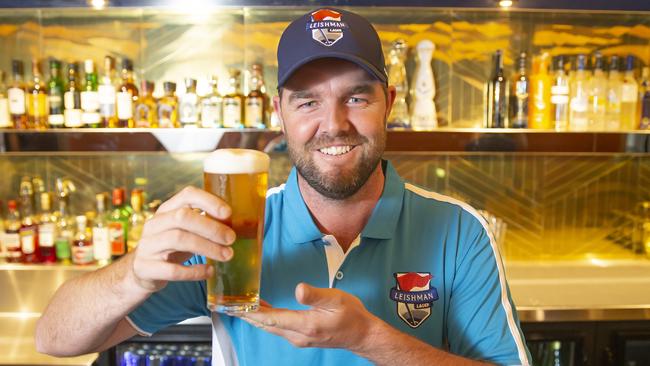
482 320
178 301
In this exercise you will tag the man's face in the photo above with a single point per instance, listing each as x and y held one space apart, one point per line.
334 116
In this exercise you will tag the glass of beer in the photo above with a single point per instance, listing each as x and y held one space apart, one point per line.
239 177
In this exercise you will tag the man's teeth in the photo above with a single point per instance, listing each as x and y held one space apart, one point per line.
336 150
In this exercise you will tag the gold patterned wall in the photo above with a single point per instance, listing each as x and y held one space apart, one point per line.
556 206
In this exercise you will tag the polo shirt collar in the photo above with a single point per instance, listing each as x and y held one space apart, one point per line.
382 224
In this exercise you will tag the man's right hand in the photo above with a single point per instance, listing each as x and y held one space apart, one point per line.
176 232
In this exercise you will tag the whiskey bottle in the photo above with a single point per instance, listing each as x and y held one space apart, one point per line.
211 106
5 117
55 118
233 102
11 239
90 97
629 97
540 90
399 114
101 235
496 95
127 95
136 221
560 96
29 226
46 229
519 95
168 107
107 93
145 107
118 222
72 98
257 101
597 95
16 95
82 245
37 99
188 105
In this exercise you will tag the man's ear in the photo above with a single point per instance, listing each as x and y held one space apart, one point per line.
278 111
391 94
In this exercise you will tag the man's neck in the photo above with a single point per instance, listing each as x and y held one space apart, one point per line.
344 219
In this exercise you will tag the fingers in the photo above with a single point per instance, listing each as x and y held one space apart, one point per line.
174 272
296 338
187 219
163 245
281 319
326 298
197 198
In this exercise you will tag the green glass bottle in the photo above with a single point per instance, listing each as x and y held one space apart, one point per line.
118 224
55 95
90 97
64 232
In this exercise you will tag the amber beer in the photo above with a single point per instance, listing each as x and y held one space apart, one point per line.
240 177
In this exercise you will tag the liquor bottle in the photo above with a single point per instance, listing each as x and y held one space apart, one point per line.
55 118
540 88
211 106
597 95
145 108
107 93
64 231
423 89
127 94
16 94
90 97
29 226
37 99
579 90
168 107
46 229
188 105
519 95
496 95
629 97
101 236
118 222
11 239
614 91
233 102
82 245
72 98
644 99
399 114
136 221
560 96
256 105
5 117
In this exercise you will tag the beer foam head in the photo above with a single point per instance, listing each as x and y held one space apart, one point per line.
236 161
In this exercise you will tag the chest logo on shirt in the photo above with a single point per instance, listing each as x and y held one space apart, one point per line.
414 296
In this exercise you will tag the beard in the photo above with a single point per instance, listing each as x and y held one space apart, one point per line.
340 184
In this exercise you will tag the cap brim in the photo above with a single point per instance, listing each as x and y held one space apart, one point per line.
377 74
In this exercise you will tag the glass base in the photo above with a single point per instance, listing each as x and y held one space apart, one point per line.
234 308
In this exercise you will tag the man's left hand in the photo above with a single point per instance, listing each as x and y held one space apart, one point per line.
336 319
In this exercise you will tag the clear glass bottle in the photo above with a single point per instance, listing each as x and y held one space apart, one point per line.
212 106
101 235
37 99
256 104
496 95
168 107
188 105
136 221
5 117
423 115
90 97
597 95
629 97
29 226
233 102
16 94
72 98
55 119
82 245
399 114
560 96
145 108
644 99
127 95
107 94
614 91
519 95
46 229
11 239
579 101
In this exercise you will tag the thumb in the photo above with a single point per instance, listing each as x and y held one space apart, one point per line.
318 297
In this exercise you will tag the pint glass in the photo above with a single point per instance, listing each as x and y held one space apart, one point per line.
239 177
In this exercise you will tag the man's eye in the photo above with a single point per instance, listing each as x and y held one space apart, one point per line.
355 100
309 104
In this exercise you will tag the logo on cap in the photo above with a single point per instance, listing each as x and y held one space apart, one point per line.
414 296
326 26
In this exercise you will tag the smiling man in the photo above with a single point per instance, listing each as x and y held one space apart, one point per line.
359 267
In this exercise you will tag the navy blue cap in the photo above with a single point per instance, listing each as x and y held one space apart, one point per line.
325 33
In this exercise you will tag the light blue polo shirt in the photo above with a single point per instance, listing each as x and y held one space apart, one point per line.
425 263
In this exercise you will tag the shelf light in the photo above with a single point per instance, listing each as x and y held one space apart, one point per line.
506 4
98 4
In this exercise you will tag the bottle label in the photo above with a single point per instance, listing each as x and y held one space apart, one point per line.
28 240
142 112
62 248
579 104
90 101
56 103
106 95
165 113
5 120
82 255
11 241
90 118
560 90
210 115
46 235
559 99
16 100
188 111
254 114
232 113
37 106
101 243
124 105
116 235
629 93
72 117
71 100
56 119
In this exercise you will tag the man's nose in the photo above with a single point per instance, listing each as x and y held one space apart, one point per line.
336 119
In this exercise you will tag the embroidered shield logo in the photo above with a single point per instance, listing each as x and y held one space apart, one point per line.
326 26
414 296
